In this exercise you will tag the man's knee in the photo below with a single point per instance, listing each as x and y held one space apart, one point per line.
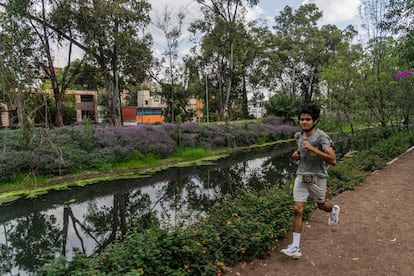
298 210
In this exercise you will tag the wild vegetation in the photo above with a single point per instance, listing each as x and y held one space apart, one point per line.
238 228
76 149
360 80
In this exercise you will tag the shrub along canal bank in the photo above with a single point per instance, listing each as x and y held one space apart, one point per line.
239 228
86 154
124 170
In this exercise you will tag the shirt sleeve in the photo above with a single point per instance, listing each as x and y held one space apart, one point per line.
325 141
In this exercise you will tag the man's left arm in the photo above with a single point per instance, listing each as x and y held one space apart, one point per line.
327 154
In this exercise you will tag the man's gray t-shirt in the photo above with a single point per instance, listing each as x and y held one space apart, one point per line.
309 161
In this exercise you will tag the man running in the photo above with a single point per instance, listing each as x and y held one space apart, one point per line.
315 150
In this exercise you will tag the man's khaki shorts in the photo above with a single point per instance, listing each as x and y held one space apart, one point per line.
316 189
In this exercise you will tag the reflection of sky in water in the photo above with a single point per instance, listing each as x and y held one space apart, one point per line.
169 205
79 238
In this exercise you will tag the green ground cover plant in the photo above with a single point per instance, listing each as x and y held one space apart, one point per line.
238 228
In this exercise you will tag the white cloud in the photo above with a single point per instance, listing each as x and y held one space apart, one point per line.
257 12
254 13
191 11
337 11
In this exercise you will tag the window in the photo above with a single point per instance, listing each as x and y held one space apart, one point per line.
14 119
86 98
148 111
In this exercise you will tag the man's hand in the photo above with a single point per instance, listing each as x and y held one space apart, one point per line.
296 155
308 146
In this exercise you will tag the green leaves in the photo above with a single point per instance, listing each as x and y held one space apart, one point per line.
283 106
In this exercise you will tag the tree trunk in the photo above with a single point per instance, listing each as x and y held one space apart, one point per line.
244 100
58 104
227 103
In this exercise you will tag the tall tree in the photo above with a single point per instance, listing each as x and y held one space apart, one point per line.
110 31
247 50
37 16
399 18
170 23
301 48
379 51
18 70
343 78
222 20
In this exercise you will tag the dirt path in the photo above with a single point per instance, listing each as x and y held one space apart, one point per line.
375 235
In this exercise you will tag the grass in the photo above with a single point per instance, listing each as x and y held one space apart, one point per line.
136 162
191 154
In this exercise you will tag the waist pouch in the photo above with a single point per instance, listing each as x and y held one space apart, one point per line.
308 178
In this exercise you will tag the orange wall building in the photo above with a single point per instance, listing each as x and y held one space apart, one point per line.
149 109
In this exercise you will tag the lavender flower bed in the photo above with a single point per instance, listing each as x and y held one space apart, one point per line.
71 149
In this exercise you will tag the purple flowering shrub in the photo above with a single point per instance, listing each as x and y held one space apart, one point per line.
211 136
71 149
146 139
190 127
12 163
403 74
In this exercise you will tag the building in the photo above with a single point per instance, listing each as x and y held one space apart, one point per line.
8 116
256 108
86 105
149 109
197 107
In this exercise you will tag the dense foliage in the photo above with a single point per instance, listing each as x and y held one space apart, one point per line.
65 150
238 228
233 59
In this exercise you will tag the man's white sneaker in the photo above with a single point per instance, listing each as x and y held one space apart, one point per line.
292 251
334 215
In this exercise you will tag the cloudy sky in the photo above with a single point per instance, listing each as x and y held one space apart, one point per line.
338 12
335 11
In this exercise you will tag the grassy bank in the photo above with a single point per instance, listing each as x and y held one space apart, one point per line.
31 187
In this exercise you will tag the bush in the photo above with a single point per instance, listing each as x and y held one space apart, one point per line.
71 149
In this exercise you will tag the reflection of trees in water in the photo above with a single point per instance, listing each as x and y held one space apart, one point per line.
6 252
273 171
29 241
188 195
173 198
109 223
176 200
77 226
202 195
36 239
227 180
278 170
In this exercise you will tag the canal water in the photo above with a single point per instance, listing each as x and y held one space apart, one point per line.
86 219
